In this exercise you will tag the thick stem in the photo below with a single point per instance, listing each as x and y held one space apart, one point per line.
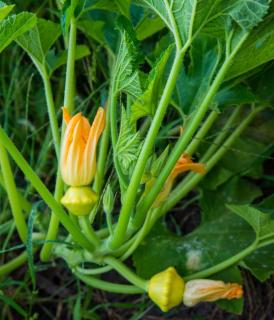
108 286
127 273
69 103
185 139
70 72
54 221
24 203
12 192
102 158
88 231
44 192
13 264
51 112
130 195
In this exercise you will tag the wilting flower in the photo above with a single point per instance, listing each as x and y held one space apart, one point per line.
210 290
184 164
78 152
78 160
166 289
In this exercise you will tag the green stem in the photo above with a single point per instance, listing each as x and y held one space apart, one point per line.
113 117
12 192
126 273
54 221
192 147
175 29
70 72
139 236
94 271
69 103
44 192
108 286
102 158
13 264
25 204
109 222
223 265
185 139
88 231
130 195
51 112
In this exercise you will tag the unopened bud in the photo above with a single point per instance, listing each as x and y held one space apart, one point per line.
202 290
166 289
108 200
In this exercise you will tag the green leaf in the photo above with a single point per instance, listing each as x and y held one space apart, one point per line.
262 223
93 29
261 262
148 26
128 144
216 178
14 26
5 9
191 16
158 164
244 155
210 244
263 84
195 80
234 191
120 6
123 6
176 14
248 13
56 61
126 76
37 41
237 95
147 103
257 50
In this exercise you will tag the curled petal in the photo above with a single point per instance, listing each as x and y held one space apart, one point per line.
184 164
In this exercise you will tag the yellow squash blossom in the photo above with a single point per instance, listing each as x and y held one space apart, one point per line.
78 152
202 290
78 160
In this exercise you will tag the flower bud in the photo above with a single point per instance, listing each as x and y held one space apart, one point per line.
166 289
108 200
202 290
79 200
